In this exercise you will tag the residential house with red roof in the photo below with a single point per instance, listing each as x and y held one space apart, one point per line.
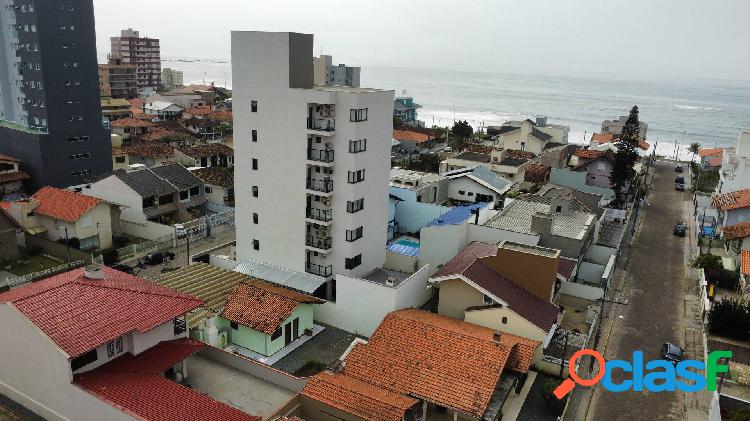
58 214
419 365
98 344
205 155
410 140
11 178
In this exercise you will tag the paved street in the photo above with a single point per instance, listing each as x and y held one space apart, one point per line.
655 288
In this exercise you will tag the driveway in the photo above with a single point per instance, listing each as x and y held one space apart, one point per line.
655 289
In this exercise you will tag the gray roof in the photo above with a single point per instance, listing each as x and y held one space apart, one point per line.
160 180
518 214
484 176
589 200
474 156
610 234
300 281
540 135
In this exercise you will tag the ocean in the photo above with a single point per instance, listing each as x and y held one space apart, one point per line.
678 111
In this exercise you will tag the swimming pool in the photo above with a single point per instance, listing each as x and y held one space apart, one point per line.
407 243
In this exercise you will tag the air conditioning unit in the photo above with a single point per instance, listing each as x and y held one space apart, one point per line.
326 201
391 281
329 145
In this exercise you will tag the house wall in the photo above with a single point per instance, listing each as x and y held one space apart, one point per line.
113 190
455 296
440 243
536 274
468 185
597 173
577 181
253 368
96 222
260 342
515 325
494 235
569 247
8 238
37 375
146 340
735 216
217 194
412 215
147 229
400 262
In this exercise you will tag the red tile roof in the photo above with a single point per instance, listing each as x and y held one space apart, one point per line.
80 314
410 136
703 152
357 397
537 173
150 150
13 176
262 306
466 257
588 154
200 111
442 360
715 161
210 149
602 137
8 158
63 204
736 231
132 122
745 267
143 393
733 200
519 154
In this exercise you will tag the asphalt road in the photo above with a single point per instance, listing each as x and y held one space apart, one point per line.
654 288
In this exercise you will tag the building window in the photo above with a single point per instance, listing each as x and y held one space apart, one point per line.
504 320
195 191
253 106
276 334
356 176
255 163
487 299
255 218
254 134
471 193
255 191
353 262
148 202
256 245
120 159
358 114
356 146
207 189
558 209
234 325
166 199
355 206
354 235
184 195
115 347
461 192
83 360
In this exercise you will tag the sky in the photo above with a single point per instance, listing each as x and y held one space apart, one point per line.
628 38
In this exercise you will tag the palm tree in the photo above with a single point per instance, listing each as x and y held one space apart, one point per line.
694 148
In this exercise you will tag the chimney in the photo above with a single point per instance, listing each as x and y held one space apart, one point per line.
94 271
541 223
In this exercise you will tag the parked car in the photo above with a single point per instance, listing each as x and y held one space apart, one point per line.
154 258
678 168
679 186
680 180
672 353
679 229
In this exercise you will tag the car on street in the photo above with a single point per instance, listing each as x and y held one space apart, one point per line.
672 353
679 186
679 229
680 180
678 168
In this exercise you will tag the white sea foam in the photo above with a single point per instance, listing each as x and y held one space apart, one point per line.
697 108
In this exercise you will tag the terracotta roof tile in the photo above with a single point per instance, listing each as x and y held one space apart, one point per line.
445 361
703 152
537 173
200 111
132 122
63 204
13 176
518 154
79 313
8 158
210 149
357 397
216 176
150 150
466 257
262 306
715 161
736 231
745 267
408 135
484 149
602 137
588 154
733 200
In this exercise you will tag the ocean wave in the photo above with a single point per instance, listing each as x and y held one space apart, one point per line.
691 107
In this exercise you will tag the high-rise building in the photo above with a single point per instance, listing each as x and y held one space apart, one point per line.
312 162
327 73
117 80
171 78
50 115
131 48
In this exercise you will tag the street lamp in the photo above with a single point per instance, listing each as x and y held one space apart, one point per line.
182 231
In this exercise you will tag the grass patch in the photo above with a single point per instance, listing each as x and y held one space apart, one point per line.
35 264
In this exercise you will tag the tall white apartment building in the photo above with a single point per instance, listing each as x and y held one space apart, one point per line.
327 73
312 162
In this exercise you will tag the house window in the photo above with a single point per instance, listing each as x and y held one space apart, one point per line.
207 189
558 209
253 106
355 206
234 325
358 114
471 193
461 192
353 262
354 235
356 146
255 191
504 320
487 299
256 245
120 159
254 135
166 199
195 191
184 195
356 176
255 163
115 347
276 334
83 360
255 218
148 202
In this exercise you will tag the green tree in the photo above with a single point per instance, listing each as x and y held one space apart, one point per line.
622 171
423 162
694 148
730 318
397 122
462 129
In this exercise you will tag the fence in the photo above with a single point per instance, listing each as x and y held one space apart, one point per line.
58 250
46 273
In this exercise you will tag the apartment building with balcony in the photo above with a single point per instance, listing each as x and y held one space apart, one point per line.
311 161
117 80
143 52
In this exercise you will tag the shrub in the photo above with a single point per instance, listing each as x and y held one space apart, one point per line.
34 251
730 318
120 241
110 256
707 261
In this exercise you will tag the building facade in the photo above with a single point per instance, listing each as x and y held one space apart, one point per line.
50 116
171 78
312 161
118 81
327 73
143 52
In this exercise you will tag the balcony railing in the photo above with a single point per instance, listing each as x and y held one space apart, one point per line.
320 155
323 124
319 214
325 186
318 242
324 271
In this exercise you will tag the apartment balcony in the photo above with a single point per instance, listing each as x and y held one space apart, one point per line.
322 244
322 126
320 156
320 270
319 216
320 186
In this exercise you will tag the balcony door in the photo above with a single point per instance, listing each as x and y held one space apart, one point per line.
288 338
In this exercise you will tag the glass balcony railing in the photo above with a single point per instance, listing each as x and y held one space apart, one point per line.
319 242
325 186
323 124
320 155
324 271
319 214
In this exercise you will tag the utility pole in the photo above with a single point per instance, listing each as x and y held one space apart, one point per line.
67 244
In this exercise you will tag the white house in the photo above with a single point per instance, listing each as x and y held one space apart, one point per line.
735 166
321 152
162 109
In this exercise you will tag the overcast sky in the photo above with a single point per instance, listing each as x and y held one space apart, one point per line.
684 38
